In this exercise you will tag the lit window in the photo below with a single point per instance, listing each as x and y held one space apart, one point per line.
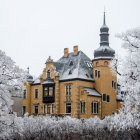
36 93
82 107
68 107
48 91
24 94
95 107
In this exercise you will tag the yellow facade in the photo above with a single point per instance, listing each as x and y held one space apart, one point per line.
102 84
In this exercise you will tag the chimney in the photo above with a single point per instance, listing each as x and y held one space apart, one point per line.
75 50
66 52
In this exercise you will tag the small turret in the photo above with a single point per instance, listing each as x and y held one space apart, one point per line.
29 77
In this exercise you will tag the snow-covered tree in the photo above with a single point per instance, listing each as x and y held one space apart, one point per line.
11 77
129 79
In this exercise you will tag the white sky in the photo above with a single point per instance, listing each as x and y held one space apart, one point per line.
32 30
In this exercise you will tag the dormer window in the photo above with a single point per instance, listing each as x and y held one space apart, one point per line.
48 74
70 72
71 63
87 75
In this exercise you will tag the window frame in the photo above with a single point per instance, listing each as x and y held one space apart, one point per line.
96 73
105 97
95 109
24 94
83 107
99 74
67 109
36 94
35 109
68 92
23 111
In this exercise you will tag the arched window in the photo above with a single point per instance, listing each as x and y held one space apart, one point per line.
97 63
48 74
105 63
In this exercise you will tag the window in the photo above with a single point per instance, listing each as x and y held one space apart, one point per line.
68 92
96 73
68 107
48 74
49 91
48 109
46 91
97 63
82 107
52 108
36 93
104 97
95 107
112 83
71 63
108 98
24 94
70 72
105 63
24 110
44 108
36 109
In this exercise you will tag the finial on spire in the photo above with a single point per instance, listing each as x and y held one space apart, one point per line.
28 70
104 15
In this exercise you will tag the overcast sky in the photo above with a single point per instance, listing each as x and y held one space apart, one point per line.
32 30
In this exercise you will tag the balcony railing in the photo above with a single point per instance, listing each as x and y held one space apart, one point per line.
48 99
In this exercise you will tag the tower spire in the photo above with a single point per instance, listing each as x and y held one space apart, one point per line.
104 17
28 70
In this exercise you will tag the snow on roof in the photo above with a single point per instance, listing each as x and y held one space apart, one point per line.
92 91
36 81
48 81
77 69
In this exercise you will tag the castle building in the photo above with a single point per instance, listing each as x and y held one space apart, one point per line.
75 85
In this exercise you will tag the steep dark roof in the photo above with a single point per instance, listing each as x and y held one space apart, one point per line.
75 66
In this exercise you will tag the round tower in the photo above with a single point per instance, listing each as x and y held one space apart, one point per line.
105 81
